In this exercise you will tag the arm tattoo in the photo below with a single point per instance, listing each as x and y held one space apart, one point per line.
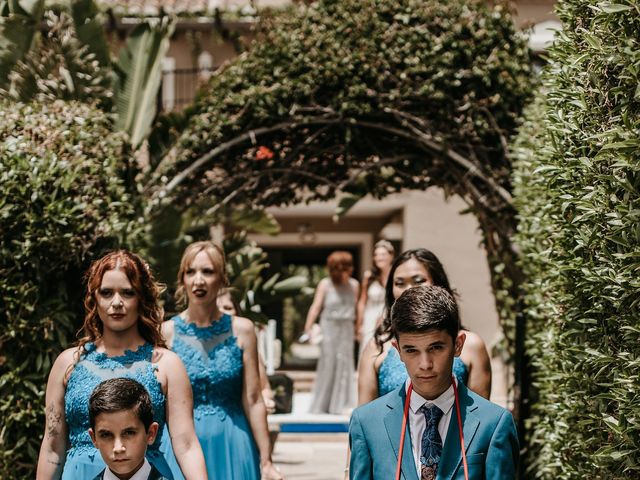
54 419
54 462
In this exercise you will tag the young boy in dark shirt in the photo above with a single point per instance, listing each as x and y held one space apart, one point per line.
121 419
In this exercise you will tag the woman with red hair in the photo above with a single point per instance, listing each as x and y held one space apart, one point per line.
121 338
335 303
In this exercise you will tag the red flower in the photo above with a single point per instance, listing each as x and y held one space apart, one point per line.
264 153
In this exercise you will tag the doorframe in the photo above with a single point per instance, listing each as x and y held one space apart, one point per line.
362 240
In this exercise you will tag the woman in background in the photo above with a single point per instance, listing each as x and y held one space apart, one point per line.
122 338
221 357
335 303
371 301
380 368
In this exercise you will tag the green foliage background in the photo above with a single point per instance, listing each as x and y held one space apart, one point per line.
577 186
354 98
454 72
63 201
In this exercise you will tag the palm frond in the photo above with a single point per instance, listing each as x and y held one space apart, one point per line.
19 29
140 69
62 67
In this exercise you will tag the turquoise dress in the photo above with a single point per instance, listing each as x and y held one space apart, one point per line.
83 459
392 372
213 361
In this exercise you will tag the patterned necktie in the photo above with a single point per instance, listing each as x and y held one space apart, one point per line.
431 443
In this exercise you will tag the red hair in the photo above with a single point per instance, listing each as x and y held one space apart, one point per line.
147 290
338 262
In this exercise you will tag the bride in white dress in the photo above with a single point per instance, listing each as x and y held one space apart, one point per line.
371 301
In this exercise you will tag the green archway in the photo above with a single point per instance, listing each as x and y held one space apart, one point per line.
348 98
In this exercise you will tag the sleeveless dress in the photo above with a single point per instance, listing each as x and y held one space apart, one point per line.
372 312
392 372
335 389
83 459
213 361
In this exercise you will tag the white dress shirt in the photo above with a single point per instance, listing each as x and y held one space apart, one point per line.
141 474
418 424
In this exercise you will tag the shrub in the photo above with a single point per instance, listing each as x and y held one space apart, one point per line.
577 186
63 201
366 96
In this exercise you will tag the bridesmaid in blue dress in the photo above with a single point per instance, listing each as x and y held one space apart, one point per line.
122 338
221 357
381 369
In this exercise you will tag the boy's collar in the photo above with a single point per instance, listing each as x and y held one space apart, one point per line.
142 473
444 401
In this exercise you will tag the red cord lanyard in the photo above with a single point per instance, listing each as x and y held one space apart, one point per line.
404 429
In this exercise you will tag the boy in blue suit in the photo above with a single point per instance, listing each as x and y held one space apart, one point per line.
426 330
121 419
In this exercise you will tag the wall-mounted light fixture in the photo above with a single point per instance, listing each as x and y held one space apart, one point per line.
306 233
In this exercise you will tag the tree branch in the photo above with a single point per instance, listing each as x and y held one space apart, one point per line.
370 166
240 139
427 141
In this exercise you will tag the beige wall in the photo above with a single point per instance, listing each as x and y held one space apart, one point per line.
427 220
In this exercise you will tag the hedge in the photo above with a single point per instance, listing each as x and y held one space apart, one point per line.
63 202
577 189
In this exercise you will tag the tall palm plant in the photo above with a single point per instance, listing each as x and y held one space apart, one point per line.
70 60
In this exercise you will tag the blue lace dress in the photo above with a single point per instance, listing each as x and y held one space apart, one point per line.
213 361
392 372
83 459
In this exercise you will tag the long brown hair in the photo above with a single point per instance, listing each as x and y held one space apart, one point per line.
147 290
376 274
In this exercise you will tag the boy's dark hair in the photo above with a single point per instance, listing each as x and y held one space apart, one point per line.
118 394
424 308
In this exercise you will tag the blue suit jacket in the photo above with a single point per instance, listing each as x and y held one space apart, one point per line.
491 442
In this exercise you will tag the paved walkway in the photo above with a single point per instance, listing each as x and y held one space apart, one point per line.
311 456
310 447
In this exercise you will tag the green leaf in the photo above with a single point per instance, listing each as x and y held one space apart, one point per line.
31 8
18 31
90 30
256 220
345 204
290 285
269 284
140 70
614 7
